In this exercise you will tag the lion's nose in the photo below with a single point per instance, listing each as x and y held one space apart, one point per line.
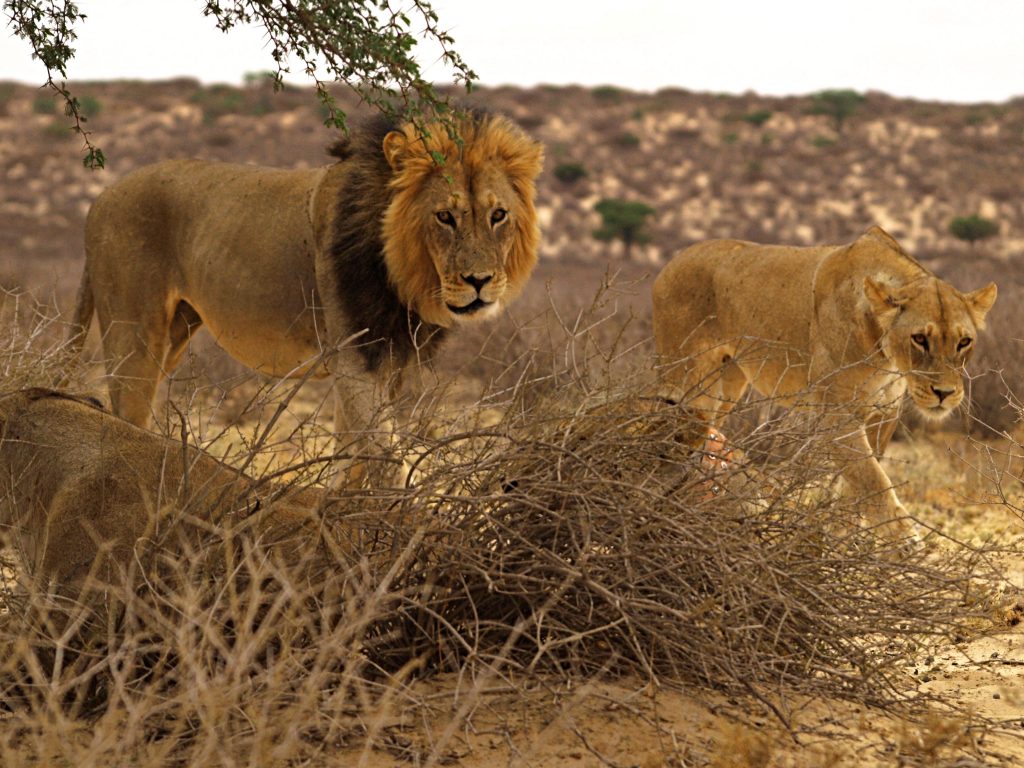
478 281
942 392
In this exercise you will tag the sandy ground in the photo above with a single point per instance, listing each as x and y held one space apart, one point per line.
549 722
627 724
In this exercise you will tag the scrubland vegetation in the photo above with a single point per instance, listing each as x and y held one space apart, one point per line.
561 580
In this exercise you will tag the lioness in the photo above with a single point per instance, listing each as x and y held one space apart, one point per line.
79 487
399 240
852 327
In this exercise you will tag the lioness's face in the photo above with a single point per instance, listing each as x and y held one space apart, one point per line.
469 235
933 332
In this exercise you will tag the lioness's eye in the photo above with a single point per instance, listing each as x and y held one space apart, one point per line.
921 340
964 343
499 215
446 218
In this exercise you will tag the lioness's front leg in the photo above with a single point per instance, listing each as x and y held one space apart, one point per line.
866 482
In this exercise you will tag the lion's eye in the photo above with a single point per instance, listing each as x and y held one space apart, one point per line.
921 340
446 218
499 215
964 343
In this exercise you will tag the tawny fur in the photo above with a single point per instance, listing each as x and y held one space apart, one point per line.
850 327
79 487
282 266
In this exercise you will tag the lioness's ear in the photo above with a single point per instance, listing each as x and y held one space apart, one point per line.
880 299
980 302
395 145
880 234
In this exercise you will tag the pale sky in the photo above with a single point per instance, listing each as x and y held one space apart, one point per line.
949 50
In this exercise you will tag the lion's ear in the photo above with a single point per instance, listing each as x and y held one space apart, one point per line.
882 301
395 145
980 302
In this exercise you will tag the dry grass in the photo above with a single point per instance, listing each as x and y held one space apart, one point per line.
556 528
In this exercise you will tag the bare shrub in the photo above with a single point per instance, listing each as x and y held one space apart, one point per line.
585 541
32 348
570 534
556 332
228 648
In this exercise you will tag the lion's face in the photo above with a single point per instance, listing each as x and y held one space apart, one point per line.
460 238
469 237
931 333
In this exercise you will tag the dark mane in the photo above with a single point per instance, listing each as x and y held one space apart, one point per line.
357 251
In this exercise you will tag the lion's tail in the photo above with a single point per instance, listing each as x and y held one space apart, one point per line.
78 329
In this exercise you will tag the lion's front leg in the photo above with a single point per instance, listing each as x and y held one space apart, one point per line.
364 432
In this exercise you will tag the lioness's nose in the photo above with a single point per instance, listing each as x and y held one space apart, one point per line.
942 393
477 280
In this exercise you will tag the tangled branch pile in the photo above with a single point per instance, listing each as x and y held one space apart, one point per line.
576 535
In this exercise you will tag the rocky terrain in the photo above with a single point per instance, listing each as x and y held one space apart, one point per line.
709 165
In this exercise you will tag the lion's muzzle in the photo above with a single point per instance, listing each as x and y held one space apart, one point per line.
474 292
472 308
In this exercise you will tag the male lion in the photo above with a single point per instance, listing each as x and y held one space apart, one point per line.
850 327
399 240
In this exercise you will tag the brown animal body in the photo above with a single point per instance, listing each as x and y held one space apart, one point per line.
79 487
386 246
847 329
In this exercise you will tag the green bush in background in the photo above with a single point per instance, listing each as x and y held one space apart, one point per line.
972 228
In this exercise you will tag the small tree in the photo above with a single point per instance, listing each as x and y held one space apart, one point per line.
973 228
366 44
623 220
758 118
837 104
570 172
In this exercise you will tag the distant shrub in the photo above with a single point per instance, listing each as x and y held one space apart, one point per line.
758 118
731 137
623 220
838 104
570 172
684 134
262 78
57 129
90 106
984 114
823 141
627 139
44 105
218 100
530 122
972 228
767 139
607 93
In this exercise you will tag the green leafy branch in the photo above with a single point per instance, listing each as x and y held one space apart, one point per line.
48 26
366 44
